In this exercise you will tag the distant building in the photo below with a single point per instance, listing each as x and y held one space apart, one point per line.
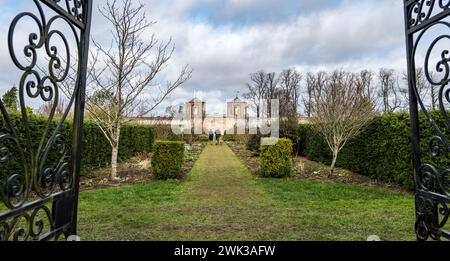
195 116
236 111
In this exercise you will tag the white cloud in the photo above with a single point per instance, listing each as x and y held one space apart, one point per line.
223 50
367 34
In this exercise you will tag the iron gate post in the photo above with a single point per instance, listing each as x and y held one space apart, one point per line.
413 107
79 113
432 183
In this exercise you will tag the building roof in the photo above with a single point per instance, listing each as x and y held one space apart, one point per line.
196 100
237 100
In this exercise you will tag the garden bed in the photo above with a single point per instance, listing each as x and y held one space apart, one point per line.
136 170
311 170
133 171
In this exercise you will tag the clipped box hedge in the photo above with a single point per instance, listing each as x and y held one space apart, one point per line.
36 126
276 160
382 151
167 159
97 150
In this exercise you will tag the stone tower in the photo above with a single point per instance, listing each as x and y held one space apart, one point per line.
196 113
237 109
236 116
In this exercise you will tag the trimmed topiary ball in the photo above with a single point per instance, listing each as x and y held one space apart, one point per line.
167 160
276 158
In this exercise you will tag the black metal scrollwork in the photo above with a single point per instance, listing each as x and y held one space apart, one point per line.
29 226
46 165
432 183
74 8
421 10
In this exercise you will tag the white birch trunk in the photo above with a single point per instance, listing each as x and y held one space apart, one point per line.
115 154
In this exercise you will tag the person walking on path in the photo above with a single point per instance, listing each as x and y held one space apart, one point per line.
211 136
218 134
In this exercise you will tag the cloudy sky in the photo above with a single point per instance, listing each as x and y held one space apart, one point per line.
224 41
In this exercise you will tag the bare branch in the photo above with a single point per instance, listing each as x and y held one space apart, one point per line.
123 76
341 107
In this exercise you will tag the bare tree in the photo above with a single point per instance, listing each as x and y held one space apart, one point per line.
47 108
270 91
389 90
264 87
421 82
125 71
314 81
340 110
257 88
308 100
290 80
364 82
434 94
173 110
422 86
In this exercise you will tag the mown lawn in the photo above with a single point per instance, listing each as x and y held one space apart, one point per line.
222 201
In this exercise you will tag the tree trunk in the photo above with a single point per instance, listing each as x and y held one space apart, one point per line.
115 155
333 163
433 98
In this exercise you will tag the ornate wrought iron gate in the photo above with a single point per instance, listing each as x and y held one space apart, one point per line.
428 44
39 177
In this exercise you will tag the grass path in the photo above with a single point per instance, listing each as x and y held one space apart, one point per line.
222 201
220 177
223 193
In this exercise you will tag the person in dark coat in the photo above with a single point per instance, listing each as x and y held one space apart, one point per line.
218 134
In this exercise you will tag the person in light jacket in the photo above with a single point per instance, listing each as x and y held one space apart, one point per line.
211 136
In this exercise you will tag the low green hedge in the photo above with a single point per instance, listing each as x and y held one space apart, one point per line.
135 139
382 151
36 125
276 160
167 159
96 148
